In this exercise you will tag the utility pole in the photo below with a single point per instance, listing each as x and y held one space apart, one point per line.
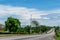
30 21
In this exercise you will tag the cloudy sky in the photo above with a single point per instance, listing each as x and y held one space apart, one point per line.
47 12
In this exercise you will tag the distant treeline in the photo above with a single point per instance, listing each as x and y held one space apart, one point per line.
13 25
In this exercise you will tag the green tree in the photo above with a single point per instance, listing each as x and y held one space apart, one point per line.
57 31
12 24
27 29
43 28
35 23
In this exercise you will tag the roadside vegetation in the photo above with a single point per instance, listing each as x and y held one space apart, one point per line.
57 33
13 26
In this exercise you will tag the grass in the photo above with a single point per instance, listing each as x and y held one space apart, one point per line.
57 37
5 35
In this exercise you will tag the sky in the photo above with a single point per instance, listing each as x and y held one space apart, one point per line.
46 12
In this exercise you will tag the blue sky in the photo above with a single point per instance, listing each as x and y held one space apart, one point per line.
39 4
47 12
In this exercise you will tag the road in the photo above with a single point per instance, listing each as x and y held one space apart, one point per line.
31 37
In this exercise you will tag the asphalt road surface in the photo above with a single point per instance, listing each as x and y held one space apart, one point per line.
31 37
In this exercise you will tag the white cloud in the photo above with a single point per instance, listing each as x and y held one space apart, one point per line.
10 10
45 18
24 13
53 11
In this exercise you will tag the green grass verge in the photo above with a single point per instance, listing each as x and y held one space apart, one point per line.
57 37
6 35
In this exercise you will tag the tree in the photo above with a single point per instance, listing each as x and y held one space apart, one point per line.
27 29
44 28
12 24
35 23
57 30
